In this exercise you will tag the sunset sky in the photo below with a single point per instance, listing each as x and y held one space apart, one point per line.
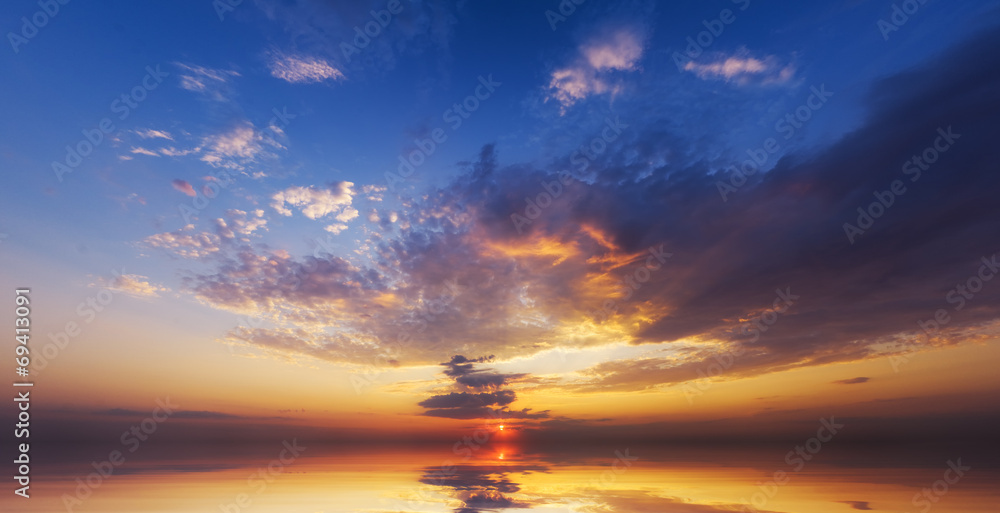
486 211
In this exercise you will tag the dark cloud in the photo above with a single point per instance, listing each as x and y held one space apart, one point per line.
785 229
482 412
465 405
862 505
487 380
852 381
460 365
464 399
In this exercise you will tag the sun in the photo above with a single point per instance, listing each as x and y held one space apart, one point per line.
501 427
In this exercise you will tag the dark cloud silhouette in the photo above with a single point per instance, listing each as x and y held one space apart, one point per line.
862 505
466 405
465 399
460 365
852 381
487 380
482 412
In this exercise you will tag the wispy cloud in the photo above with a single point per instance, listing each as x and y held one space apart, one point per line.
302 69
852 381
133 285
153 134
185 243
212 83
618 50
236 147
744 69
143 151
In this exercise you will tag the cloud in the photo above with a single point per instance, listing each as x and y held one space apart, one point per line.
618 50
465 399
347 214
234 148
852 381
477 405
174 152
483 412
326 28
143 151
213 84
184 186
238 222
184 243
335 228
744 69
133 285
315 202
153 134
862 505
301 69
375 192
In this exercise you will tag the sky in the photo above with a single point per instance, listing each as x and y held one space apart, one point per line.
405 218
